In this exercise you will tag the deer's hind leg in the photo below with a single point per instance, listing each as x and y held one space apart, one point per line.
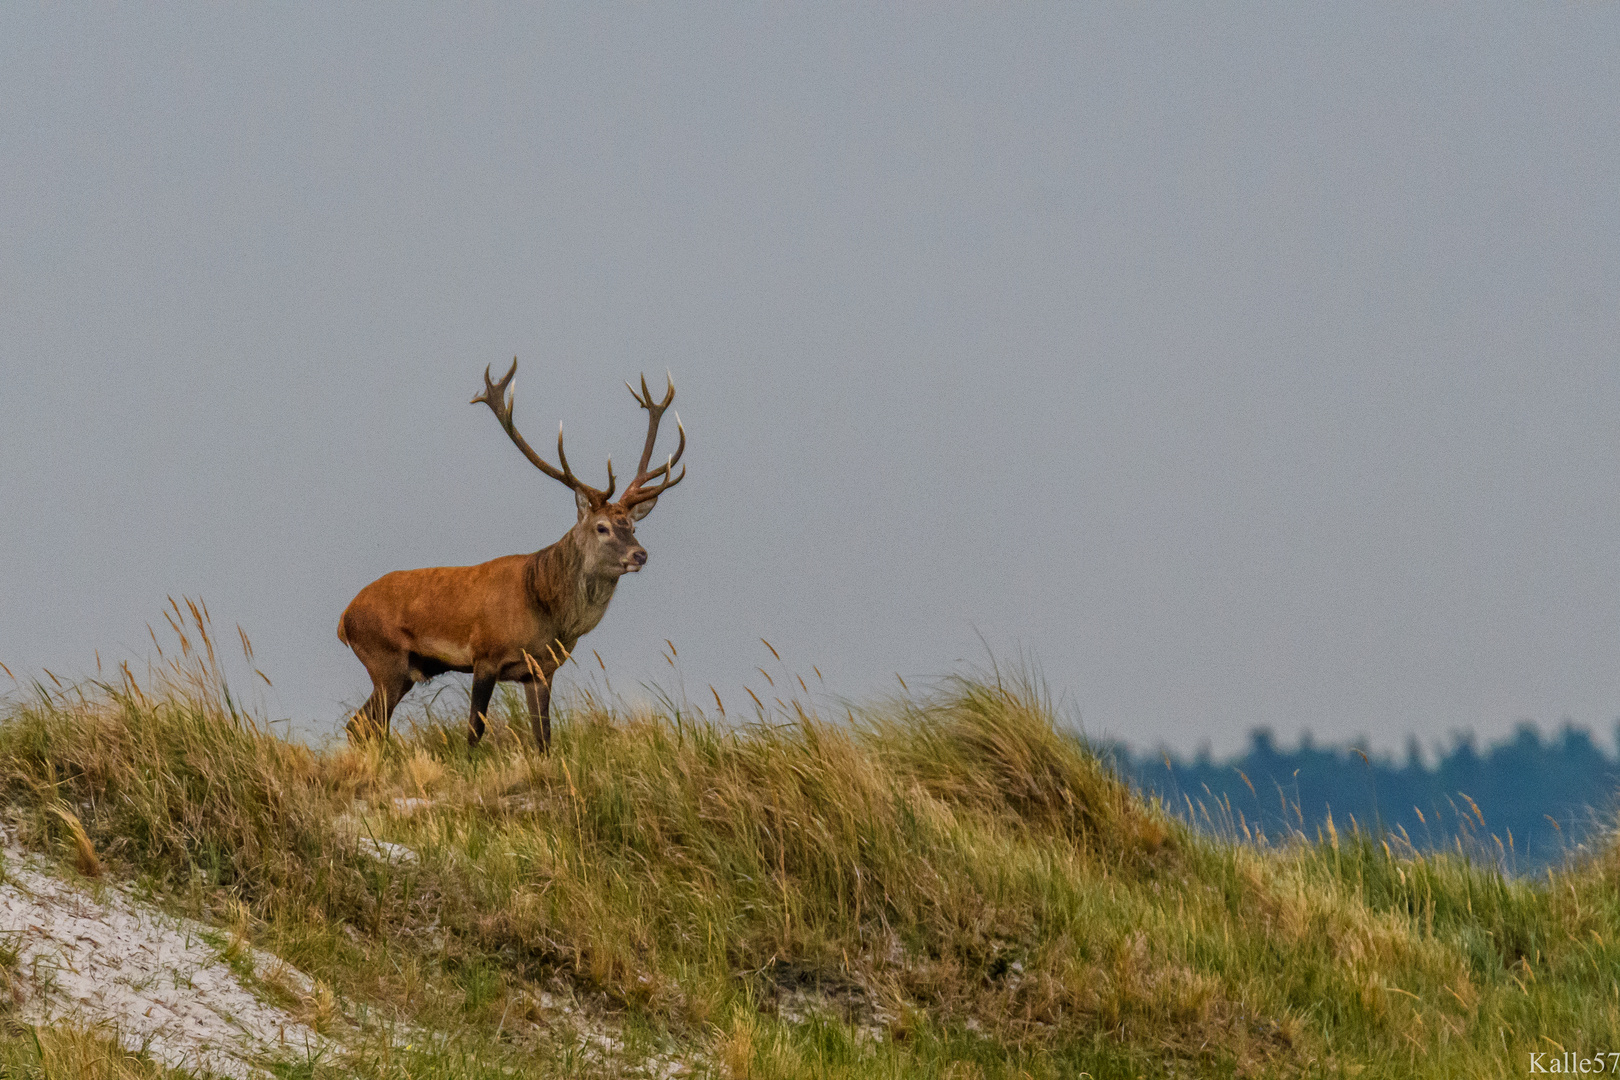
372 719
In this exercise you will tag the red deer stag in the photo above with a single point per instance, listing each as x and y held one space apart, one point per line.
515 618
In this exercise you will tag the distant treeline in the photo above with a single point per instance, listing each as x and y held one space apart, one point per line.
1524 801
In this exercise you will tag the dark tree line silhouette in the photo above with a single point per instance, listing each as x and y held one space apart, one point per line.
1525 801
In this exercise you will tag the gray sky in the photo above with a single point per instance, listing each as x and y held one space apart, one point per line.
1247 367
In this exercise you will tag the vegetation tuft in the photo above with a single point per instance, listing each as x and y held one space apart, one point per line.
948 885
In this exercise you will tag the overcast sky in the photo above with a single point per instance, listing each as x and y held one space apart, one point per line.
1246 367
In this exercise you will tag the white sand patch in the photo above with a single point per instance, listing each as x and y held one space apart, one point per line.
386 852
155 980
353 823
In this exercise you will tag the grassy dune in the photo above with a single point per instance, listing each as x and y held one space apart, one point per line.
947 886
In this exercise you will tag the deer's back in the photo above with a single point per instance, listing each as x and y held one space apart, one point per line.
444 611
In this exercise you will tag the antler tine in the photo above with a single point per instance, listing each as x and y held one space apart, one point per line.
663 470
644 397
636 493
562 457
499 397
494 392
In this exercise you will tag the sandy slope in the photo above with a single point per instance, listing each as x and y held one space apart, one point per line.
154 980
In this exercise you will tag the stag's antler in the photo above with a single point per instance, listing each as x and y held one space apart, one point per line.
499 399
635 493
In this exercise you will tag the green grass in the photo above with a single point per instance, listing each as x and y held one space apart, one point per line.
945 886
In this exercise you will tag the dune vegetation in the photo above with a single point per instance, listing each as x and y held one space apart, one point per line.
946 885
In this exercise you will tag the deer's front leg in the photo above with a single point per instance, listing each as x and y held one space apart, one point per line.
539 698
483 688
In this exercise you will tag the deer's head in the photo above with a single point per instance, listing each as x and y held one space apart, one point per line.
605 532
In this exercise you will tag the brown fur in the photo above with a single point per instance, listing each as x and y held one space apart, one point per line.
512 619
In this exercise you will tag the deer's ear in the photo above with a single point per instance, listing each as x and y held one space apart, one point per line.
583 501
642 509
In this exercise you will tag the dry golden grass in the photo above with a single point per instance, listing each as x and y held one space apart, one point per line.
85 859
57 1051
944 885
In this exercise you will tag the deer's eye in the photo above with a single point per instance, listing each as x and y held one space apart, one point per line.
602 530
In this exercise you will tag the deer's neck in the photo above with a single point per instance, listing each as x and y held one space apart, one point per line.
572 600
